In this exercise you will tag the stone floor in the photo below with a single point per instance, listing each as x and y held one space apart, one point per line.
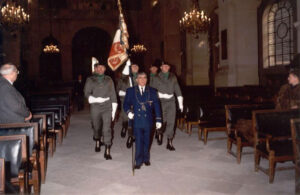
194 168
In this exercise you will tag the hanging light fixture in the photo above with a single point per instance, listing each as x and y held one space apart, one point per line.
138 48
13 16
195 21
51 48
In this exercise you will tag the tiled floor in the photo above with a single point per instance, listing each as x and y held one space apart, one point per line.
194 168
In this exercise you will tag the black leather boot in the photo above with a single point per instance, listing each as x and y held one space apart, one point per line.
159 138
170 145
97 146
107 155
124 129
129 141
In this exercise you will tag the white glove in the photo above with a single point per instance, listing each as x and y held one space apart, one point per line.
158 125
180 103
114 109
122 93
164 95
130 115
126 68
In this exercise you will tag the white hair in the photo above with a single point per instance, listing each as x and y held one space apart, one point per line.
7 69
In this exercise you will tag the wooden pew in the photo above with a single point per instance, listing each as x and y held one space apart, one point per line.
58 128
41 120
17 168
239 126
272 138
2 176
295 131
51 135
32 133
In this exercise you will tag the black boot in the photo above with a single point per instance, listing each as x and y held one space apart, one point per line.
170 145
107 155
129 141
124 129
98 146
159 138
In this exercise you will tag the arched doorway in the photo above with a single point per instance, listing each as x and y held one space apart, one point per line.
87 43
50 63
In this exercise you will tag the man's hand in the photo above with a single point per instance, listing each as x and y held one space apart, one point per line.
122 93
130 115
29 117
158 125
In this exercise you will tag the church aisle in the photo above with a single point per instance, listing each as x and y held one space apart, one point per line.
192 169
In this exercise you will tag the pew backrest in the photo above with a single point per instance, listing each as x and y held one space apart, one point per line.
13 149
57 112
273 122
28 129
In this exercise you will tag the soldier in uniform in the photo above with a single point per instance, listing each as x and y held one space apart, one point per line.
143 99
99 89
166 84
123 84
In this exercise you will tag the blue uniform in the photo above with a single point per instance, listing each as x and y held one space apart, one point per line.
143 106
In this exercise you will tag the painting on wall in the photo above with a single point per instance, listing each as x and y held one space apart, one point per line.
224 53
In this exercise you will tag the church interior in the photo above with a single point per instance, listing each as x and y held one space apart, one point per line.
230 58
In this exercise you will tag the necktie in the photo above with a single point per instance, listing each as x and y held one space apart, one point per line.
142 90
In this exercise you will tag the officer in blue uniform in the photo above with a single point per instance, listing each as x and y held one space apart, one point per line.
144 100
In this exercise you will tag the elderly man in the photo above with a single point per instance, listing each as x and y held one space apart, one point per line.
12 104
99 89
167 85
139 104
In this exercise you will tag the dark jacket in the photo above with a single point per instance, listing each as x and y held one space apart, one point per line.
288 97
12 104
150 100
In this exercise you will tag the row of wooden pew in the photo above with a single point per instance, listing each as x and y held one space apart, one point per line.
270 132
24 147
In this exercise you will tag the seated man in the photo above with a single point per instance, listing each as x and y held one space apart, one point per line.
289 94
12 104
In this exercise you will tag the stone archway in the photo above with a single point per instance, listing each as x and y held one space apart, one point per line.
87 43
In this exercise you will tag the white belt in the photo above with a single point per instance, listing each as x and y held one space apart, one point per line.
165 95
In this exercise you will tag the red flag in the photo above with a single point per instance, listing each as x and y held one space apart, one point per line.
117 55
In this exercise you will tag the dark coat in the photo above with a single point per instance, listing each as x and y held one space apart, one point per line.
149 99
12 104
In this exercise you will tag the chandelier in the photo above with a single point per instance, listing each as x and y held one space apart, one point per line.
195 21
51 48
13 16
139 48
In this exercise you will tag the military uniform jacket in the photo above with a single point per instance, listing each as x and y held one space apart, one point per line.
166 85
123 84
143 106
103 89
12 104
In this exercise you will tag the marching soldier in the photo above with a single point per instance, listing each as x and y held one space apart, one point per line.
139 104
99 89
166 84
123 84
